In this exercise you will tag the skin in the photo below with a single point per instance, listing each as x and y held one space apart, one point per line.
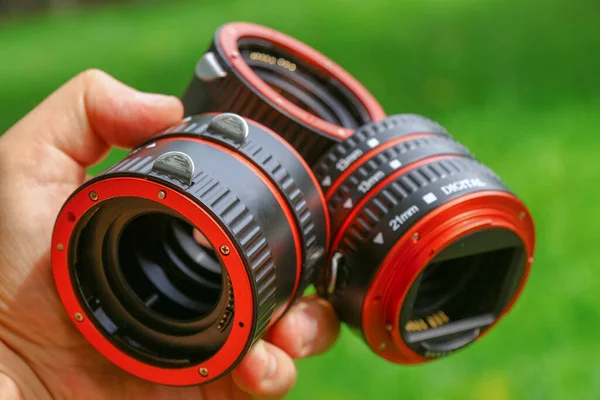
43 159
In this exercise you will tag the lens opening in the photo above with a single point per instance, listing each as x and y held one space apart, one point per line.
169 271
462 291
148 285
303 84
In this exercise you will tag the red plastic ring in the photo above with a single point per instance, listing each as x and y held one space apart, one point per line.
230 34
437 230
111 188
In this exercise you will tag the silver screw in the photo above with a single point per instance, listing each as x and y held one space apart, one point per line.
203 371
162 195
78 317
93 196
388 327
235 54
60 247
224 250
522 215
415 237
382 346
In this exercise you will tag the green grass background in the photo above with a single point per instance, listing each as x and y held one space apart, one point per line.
516 81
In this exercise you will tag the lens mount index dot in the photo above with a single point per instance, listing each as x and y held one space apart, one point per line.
395 164
429 198
326 181
372 142
378 238
348 203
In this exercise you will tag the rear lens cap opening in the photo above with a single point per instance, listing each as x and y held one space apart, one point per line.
167 269
303 84
462 291
140 269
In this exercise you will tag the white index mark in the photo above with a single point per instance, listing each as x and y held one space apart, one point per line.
379 238
395 164
429 198
372 142
151 145
326 181
348 203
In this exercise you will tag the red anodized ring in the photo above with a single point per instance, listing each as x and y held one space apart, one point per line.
230 34
67 220
418 246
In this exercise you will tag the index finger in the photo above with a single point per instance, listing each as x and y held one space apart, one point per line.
310 327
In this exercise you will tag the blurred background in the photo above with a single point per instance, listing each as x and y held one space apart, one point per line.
517 81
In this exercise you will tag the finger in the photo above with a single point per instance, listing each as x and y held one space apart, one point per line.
310 327
201 239
90 113
266 372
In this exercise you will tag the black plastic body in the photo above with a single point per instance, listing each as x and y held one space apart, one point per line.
407 166
237 196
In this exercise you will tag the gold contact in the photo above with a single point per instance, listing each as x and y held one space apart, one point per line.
269 59
434 320
228 313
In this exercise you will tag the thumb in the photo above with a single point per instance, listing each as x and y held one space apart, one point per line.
86 116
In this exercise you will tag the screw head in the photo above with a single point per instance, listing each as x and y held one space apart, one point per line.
78 317
522 215
162 195
93 196
60 247
388 327
382 346
235 54
415 237
203 371
224 250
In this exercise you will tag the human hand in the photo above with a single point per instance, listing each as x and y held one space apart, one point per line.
43 159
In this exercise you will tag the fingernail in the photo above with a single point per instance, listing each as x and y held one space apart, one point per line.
158 100
269 359
309 326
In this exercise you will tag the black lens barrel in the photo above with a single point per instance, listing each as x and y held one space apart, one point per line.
132 256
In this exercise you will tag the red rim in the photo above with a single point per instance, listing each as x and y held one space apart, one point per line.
240 333
230 34
373 192
436 230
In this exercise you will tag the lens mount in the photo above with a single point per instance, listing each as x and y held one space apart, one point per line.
416 220
93 324
151 298
282 83
403 333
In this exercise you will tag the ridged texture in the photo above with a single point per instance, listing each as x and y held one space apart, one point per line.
406 123
400 150
229 94
361 227
253 245
297 201
269 164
